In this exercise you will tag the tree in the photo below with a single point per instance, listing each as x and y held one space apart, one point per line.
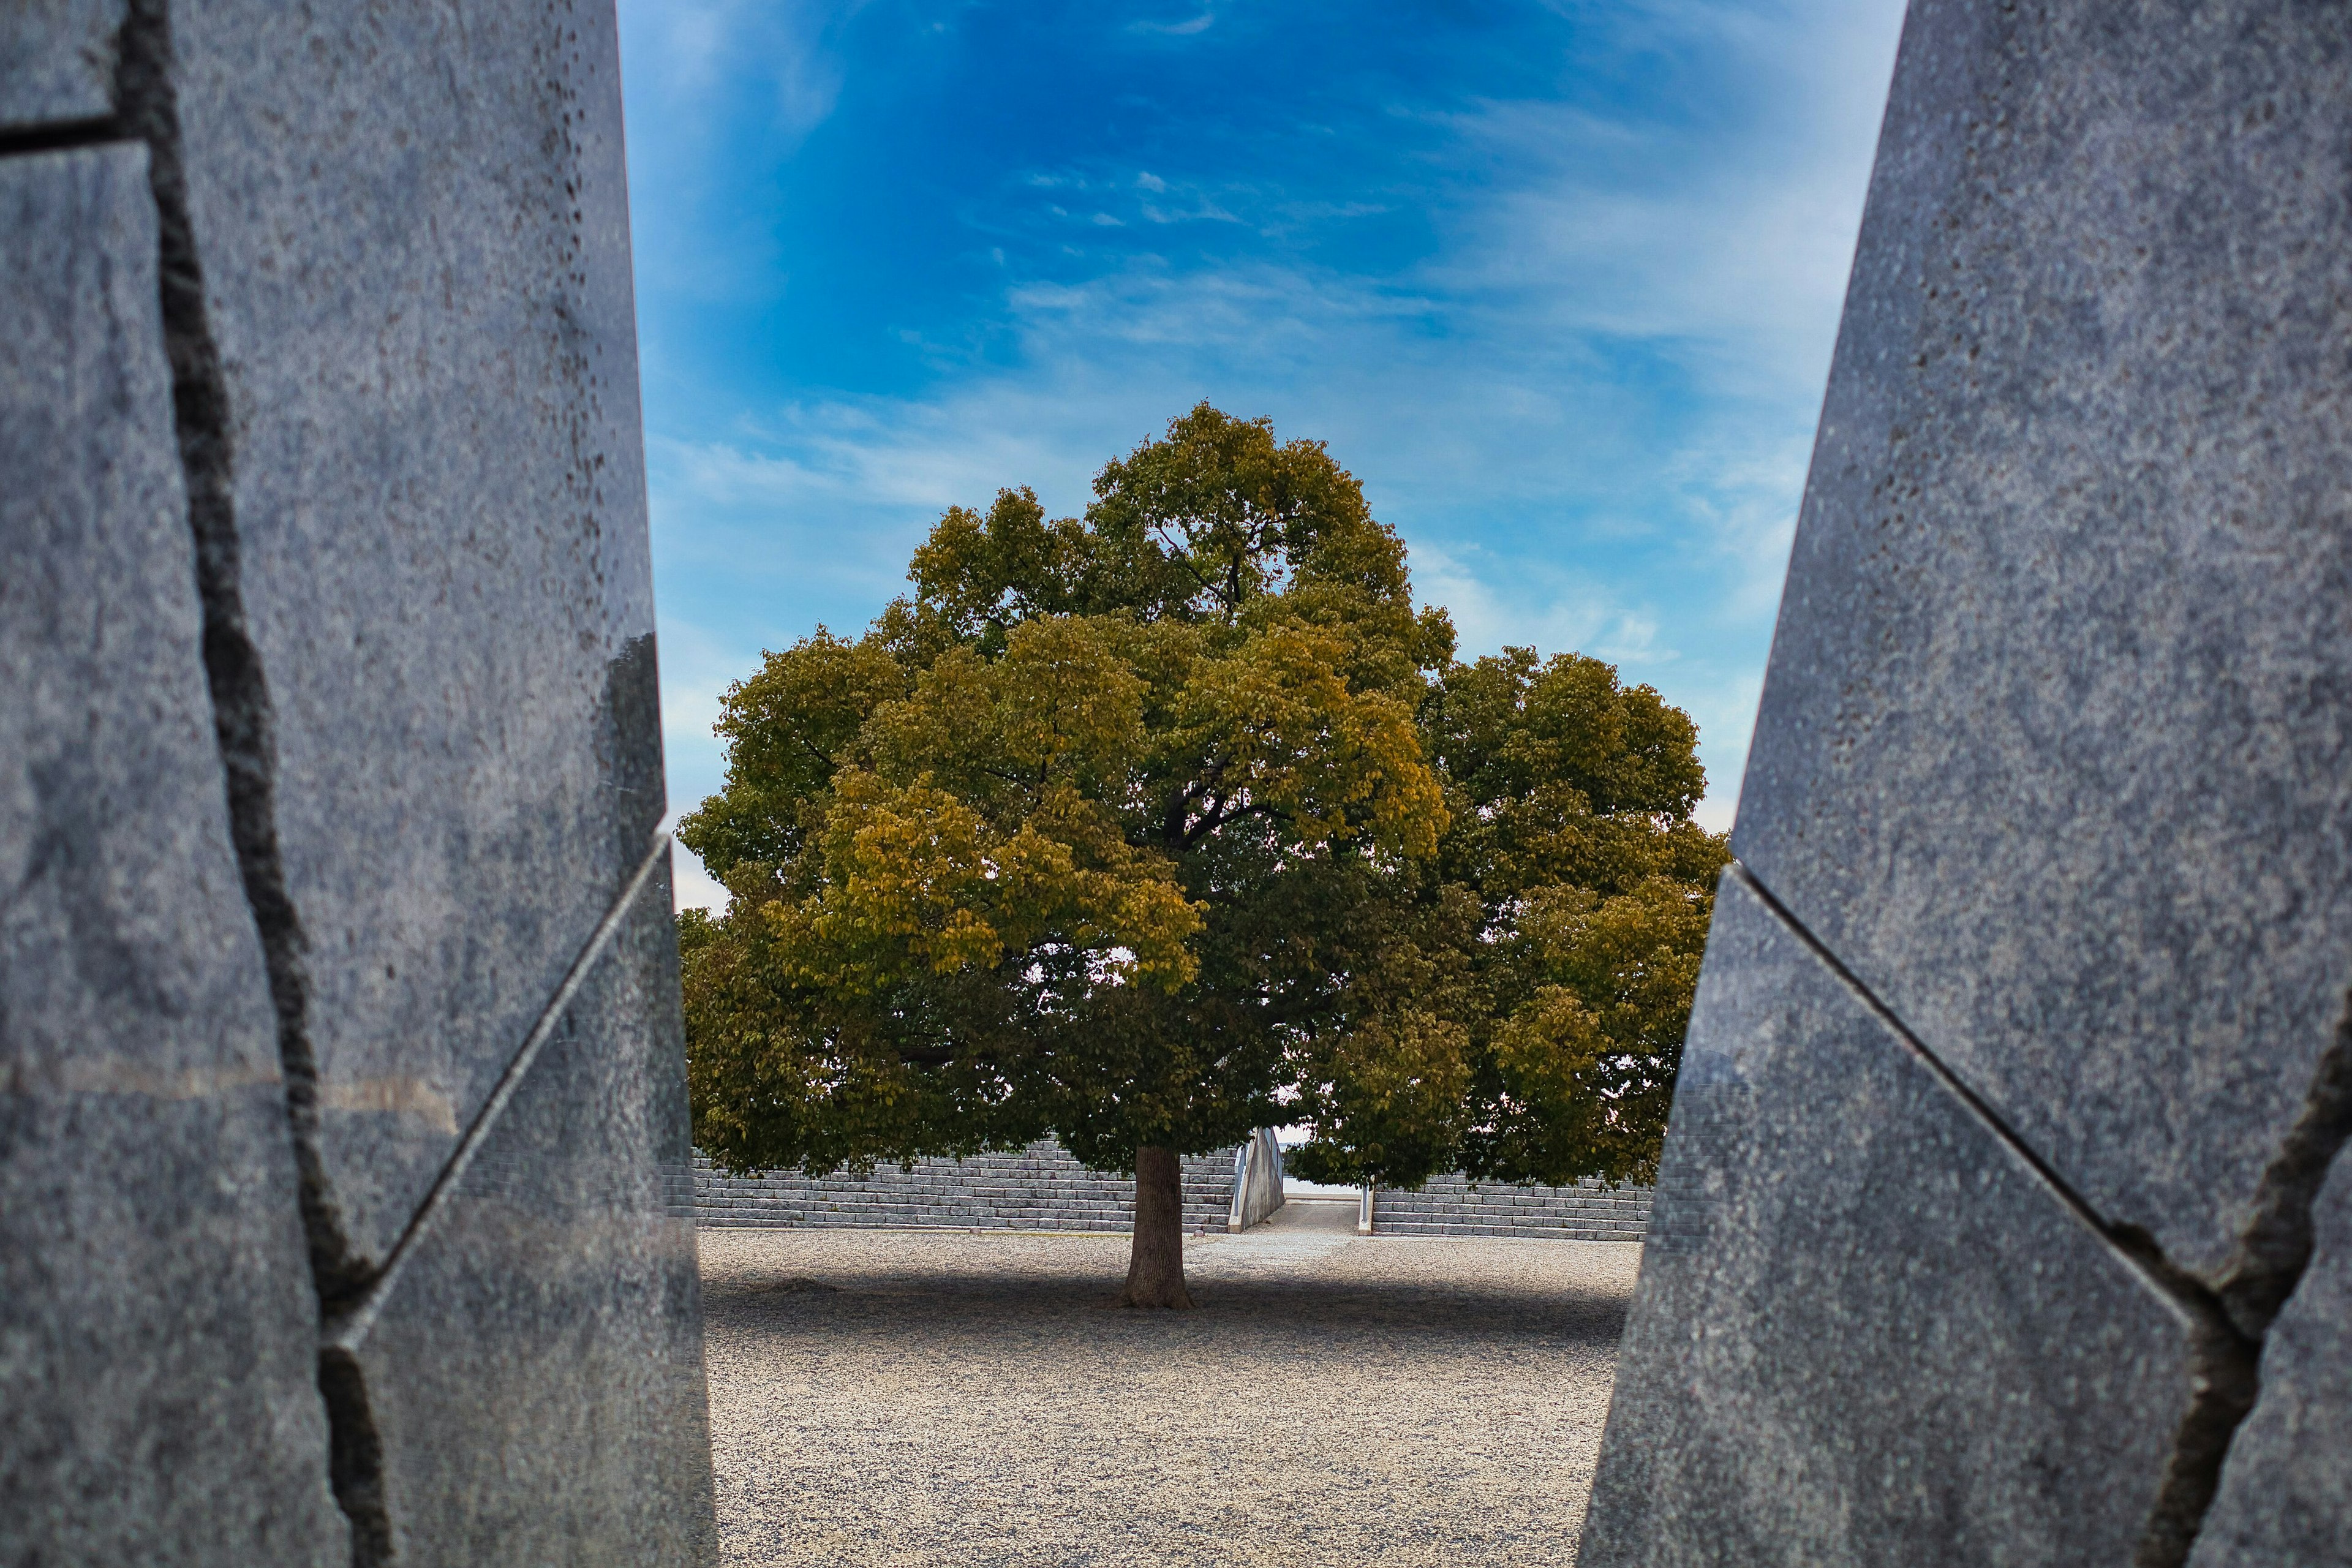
1566 911
1156 827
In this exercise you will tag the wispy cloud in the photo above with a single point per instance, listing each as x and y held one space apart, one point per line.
1183 29
1729 242
684 54
1585 391
691 46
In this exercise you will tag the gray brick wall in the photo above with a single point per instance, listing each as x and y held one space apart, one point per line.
1454 1205
1042 1188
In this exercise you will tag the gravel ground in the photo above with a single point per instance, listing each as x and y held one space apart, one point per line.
928 1399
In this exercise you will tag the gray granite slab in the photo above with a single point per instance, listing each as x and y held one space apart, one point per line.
1866 1331
413 233
56 60
157 1323
535 1373
2285 1500
2057 735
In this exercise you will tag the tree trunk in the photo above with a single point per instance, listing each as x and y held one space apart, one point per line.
1155 1267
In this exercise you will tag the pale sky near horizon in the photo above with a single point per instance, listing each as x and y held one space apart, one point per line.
1559 282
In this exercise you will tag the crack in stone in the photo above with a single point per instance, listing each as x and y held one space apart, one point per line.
2265 1268
241 709
2275 1248
2229 1322
2223 1379
355 1457
147 110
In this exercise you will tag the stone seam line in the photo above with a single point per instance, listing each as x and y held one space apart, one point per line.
344 1330
2230 1321
61 135
356 1457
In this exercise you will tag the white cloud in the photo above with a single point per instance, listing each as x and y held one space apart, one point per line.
1492 395
1728 232
691 886
679 56
696 667
1183 29
688 47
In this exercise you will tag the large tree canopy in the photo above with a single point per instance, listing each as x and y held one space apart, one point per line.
1152 828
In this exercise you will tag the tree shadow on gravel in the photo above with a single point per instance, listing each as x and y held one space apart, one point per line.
920 1303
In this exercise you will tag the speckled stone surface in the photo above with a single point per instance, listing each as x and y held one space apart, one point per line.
415 237
935 1400
401 463
1867 1333
2286 1492
157 1323
56 60
2054 756
2056 733
546 1332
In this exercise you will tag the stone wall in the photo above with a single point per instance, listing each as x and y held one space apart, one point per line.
340 1081
1043 1187
1456 1206
2003 1217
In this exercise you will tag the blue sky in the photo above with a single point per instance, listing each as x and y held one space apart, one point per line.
1559 282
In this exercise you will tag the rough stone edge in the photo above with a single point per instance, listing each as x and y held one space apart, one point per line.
2225 1360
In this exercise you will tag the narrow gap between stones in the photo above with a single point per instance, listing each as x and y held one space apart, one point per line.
147 110
2275 1249
2262 1276
355 1457
2229 1322
2224 1378
57 135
